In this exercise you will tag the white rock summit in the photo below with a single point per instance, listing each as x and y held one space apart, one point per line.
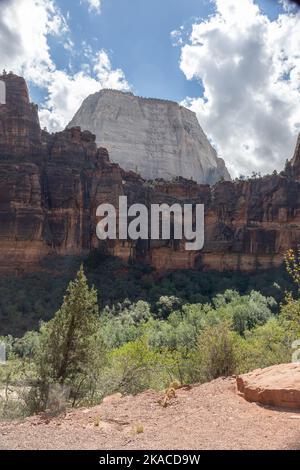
156 138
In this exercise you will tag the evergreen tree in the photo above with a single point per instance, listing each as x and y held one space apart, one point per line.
70 346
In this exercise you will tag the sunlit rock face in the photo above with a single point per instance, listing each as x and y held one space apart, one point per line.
156 138
52 184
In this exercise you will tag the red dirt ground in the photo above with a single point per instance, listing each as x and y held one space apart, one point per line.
208 416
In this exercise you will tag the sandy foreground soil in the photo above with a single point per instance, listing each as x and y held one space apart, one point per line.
208 416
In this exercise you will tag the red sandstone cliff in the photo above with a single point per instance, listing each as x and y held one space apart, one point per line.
20 132
296 160
51 185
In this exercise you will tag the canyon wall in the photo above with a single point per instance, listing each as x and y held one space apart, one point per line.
295 163
51 185
156 138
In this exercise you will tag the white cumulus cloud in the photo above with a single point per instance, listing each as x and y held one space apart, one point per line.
66 92
93 5
249 67
25 29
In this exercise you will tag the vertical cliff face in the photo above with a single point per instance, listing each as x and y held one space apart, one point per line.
156 138
20 132
296 159
52 184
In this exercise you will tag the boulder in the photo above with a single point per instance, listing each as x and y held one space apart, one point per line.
277 385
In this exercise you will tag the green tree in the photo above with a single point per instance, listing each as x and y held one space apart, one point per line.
267 345
167 304
218 352
135 366
292 263
245 312
70 345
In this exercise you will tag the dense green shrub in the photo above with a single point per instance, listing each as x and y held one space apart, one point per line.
218 352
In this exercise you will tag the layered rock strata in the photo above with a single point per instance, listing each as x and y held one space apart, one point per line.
52 184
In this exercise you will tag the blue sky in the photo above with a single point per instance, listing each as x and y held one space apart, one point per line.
236 64
136 33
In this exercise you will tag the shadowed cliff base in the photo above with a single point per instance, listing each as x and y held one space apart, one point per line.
27 299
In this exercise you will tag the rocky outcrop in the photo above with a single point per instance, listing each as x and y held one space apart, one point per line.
20 132
156 138
52 184
277 385
296 160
